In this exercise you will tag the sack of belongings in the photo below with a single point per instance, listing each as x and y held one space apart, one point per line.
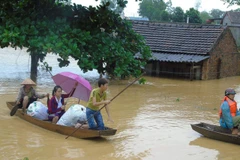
38 110
75 114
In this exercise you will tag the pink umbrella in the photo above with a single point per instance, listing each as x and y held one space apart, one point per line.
67 81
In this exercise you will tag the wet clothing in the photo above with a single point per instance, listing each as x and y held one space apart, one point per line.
95 120
229 114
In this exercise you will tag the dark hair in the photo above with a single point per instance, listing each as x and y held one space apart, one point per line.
102 81
55 89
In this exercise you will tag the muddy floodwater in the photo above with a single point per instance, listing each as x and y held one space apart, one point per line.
153 120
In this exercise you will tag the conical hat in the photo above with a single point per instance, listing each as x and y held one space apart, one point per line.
28 81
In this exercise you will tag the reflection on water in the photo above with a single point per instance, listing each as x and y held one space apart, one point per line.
153 120
222 148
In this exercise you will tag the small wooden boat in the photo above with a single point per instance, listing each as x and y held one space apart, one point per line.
65 130
216 132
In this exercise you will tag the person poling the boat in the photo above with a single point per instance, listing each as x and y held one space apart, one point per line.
26 96
56 105
91 116
229 114
97 98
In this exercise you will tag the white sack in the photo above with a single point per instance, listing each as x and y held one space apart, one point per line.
76 113
38 110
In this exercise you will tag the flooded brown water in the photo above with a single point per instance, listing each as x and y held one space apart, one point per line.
153 120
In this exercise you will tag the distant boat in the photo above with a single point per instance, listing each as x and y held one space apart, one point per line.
65 130
216 132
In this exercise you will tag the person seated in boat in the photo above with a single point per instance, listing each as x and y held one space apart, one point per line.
97 98
56 105
27 95
229 114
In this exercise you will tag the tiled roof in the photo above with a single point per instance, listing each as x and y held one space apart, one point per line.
138 18
178 38
234 17
169 57
166 57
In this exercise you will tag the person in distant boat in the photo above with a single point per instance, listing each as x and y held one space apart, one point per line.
56 105
97 98
26 96
229 114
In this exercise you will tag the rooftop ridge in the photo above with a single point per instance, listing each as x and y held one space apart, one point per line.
179 38
184 25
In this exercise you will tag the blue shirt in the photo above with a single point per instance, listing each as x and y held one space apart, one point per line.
226 120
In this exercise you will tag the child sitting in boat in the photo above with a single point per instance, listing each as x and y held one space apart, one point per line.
56 105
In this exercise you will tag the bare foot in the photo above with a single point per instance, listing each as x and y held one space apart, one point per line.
77 125
235 131
55 119
82 126
24 110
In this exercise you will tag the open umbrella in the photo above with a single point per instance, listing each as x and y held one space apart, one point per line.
67 81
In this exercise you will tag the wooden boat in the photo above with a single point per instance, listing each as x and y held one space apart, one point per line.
65 130
216 132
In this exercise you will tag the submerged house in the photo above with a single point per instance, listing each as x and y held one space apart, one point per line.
232 20
190 51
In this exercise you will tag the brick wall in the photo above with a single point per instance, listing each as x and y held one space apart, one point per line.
224 60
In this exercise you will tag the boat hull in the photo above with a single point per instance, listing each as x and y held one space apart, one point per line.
216 132
65 130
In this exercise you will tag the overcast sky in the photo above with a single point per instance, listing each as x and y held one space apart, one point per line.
132 6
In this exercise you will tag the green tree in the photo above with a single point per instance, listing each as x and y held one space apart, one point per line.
66 2
169 8
194 16
204 16
153 9
113 44
165 16
177 15
232 2
96 37
113 5
34 25
216 13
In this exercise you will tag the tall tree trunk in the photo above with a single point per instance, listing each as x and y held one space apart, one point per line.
34 64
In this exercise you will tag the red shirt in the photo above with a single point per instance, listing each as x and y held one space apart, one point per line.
53 104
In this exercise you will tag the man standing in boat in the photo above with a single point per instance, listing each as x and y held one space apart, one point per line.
229 114
97 98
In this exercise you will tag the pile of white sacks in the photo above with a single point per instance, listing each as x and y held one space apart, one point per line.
75 114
